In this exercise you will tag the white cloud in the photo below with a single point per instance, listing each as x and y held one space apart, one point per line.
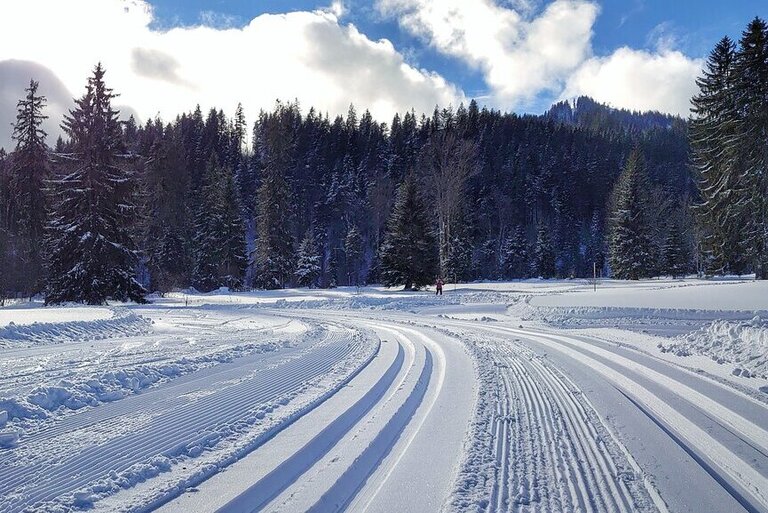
638 80
524 52
519 56
307 56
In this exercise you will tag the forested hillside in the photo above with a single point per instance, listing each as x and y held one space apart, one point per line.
217 204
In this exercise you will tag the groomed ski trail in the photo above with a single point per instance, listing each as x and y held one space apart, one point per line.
354 452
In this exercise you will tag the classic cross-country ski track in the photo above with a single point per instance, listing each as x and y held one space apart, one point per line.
425 406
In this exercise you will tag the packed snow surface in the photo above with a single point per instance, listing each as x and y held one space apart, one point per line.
530 396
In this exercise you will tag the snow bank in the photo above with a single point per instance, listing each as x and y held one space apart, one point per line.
122 323
742 343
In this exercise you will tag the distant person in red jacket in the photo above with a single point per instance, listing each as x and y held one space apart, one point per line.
439 286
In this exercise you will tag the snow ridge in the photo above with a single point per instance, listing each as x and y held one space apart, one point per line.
742 343
123 323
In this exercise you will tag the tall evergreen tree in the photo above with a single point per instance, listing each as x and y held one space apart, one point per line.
714 126
31 168
353 251
167 227
274 241
677 257
629 241
409 251
751 97
5 195
219 232
91 255
514 261
308 262
595 250
543 254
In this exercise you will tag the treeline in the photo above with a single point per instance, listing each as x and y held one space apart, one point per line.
304 199
729 135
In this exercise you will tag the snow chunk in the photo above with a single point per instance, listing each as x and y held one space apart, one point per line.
743 343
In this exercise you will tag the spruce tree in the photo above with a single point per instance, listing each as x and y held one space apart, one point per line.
595 251
167 228
543 254
629 241
409 250
353 251
92 257
751 97
308 262
514 260
31 168
275 140
677 261
714 127
5 195
219 233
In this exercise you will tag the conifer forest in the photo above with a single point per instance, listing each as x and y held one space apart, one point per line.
117 208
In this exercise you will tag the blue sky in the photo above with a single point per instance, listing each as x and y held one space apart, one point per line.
166 56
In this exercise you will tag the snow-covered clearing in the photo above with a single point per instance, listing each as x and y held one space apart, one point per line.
522 396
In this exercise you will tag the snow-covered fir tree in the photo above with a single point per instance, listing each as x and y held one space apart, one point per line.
353 252
92 257
514 255
594 254
543 264
677 257
409 252
274 242
751 97
714 125
308 262
29 172
219 232
729 135
5 198
629 241
167 226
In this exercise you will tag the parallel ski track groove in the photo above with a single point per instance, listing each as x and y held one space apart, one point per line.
97 462
567 454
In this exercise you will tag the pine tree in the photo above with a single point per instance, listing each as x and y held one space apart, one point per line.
677 260
353 250
219 232
167 228
751 97
274 242
409 251
514 261
5 195
714 127
543 254
630 240
91 255
234 260
595 250
31 168
308 262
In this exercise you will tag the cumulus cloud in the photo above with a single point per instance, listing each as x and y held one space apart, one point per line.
309 56
638 80
520 56
526 51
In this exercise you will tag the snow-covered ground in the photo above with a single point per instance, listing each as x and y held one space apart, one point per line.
520 396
